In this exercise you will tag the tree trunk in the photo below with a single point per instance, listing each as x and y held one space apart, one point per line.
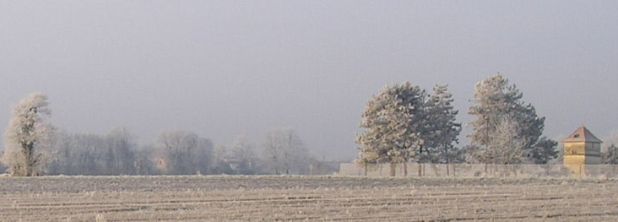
447 160
366 166
420 169
405 168
424 166
29 159
393 172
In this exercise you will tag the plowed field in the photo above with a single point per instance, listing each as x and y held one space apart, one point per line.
266 198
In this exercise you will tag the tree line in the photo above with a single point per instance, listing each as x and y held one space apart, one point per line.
404 123
34 147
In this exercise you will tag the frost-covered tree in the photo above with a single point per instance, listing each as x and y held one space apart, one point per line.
238 158
495 100
374 146
221 161
544 151
144 160
474 154
610 156
91 154
442 126
78 154
285 153
242 157
506 145
394 126
120 155
28 137
184 153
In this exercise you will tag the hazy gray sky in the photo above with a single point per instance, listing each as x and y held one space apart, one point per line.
224 68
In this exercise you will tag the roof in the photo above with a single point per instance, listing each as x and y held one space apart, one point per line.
582 134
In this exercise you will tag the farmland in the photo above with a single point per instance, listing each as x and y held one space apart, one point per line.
295 198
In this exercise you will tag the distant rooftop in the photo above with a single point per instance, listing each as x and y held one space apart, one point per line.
582 134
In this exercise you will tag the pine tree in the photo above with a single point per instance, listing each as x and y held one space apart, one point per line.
610 156
497 100
393 124
442 128
544 151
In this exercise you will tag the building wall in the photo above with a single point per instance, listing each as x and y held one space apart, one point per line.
593 151
578 148
579 154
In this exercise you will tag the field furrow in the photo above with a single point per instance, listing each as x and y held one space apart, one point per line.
305 199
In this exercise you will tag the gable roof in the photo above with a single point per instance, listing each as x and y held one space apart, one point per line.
582 134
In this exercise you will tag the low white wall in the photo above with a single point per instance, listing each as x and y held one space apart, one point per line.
477 170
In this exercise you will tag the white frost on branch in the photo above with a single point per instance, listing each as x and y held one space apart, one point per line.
28 136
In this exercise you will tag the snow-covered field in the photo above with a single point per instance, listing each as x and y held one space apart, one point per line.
270 198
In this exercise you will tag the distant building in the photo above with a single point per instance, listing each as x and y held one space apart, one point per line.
580 149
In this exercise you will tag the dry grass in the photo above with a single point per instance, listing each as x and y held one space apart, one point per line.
305 199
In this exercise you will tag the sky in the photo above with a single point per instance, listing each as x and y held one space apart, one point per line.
227 68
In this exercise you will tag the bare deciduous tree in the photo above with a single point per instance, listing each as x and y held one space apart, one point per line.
91 154
243 157
185 153
285 153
